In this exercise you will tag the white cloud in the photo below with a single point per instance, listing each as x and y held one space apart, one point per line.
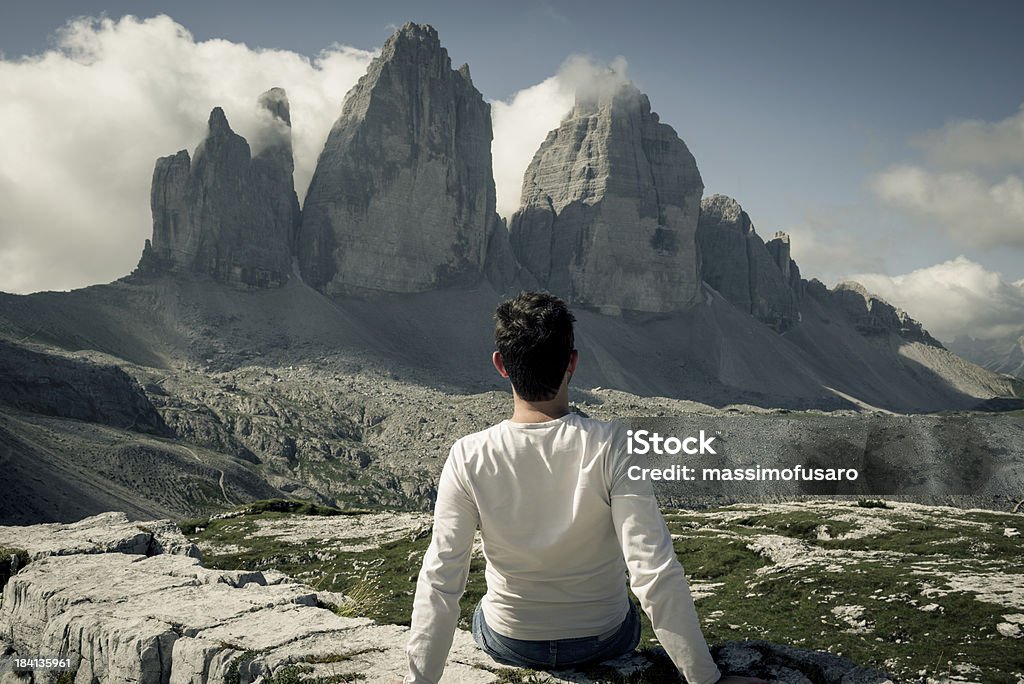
84 123
969 184
523 121
975 143
973 211
957 297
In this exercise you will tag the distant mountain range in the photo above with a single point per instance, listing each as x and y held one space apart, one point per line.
1001 355
389 273
613 219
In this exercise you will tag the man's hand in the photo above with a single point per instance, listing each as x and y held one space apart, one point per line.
735 680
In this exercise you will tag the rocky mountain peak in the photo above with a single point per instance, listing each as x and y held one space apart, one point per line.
403 199
724 209
222 151
610 206
780 249
744 270
217 125
275 101
412 36
873 316
224 213
275 159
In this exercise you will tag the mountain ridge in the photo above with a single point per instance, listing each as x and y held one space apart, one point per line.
265 382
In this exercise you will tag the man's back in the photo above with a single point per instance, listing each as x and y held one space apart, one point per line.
554 566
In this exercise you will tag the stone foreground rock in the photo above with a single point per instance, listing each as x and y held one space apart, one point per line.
167 619
91 592
104 533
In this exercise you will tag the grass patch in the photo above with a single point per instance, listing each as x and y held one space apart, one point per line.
296 674
233 673
975 544
804 525
191 526
907 627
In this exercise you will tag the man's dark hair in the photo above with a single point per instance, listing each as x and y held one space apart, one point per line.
535 339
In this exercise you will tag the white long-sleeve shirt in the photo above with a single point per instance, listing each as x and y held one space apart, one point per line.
561 522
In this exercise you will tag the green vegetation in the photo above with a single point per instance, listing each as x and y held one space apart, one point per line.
294 506
294 674
66 677
233 676
860 580
297 673
872 503
804 525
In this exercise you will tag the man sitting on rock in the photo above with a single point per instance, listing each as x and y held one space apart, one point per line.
560 522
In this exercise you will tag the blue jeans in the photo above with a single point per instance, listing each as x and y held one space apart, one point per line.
560 653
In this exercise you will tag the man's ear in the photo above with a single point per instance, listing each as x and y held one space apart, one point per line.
499 364
574 356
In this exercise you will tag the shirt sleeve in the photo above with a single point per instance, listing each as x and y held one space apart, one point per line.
442 579
655 575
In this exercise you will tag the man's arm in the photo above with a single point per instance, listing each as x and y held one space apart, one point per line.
658 580
442 579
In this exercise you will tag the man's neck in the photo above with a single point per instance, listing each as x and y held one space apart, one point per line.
540 411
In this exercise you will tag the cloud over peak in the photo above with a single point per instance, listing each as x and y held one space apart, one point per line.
955 298
92 115
523 121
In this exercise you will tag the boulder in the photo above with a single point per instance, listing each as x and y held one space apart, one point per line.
610 207
402 199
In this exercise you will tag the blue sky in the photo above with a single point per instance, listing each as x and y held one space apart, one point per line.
797 109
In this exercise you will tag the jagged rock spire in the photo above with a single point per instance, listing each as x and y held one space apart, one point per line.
223 212
739 265
403 199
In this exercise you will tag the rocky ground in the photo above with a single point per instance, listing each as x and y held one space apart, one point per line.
927 593
335 431
784 590
826 591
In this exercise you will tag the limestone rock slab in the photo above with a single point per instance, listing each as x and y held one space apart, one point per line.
104 533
